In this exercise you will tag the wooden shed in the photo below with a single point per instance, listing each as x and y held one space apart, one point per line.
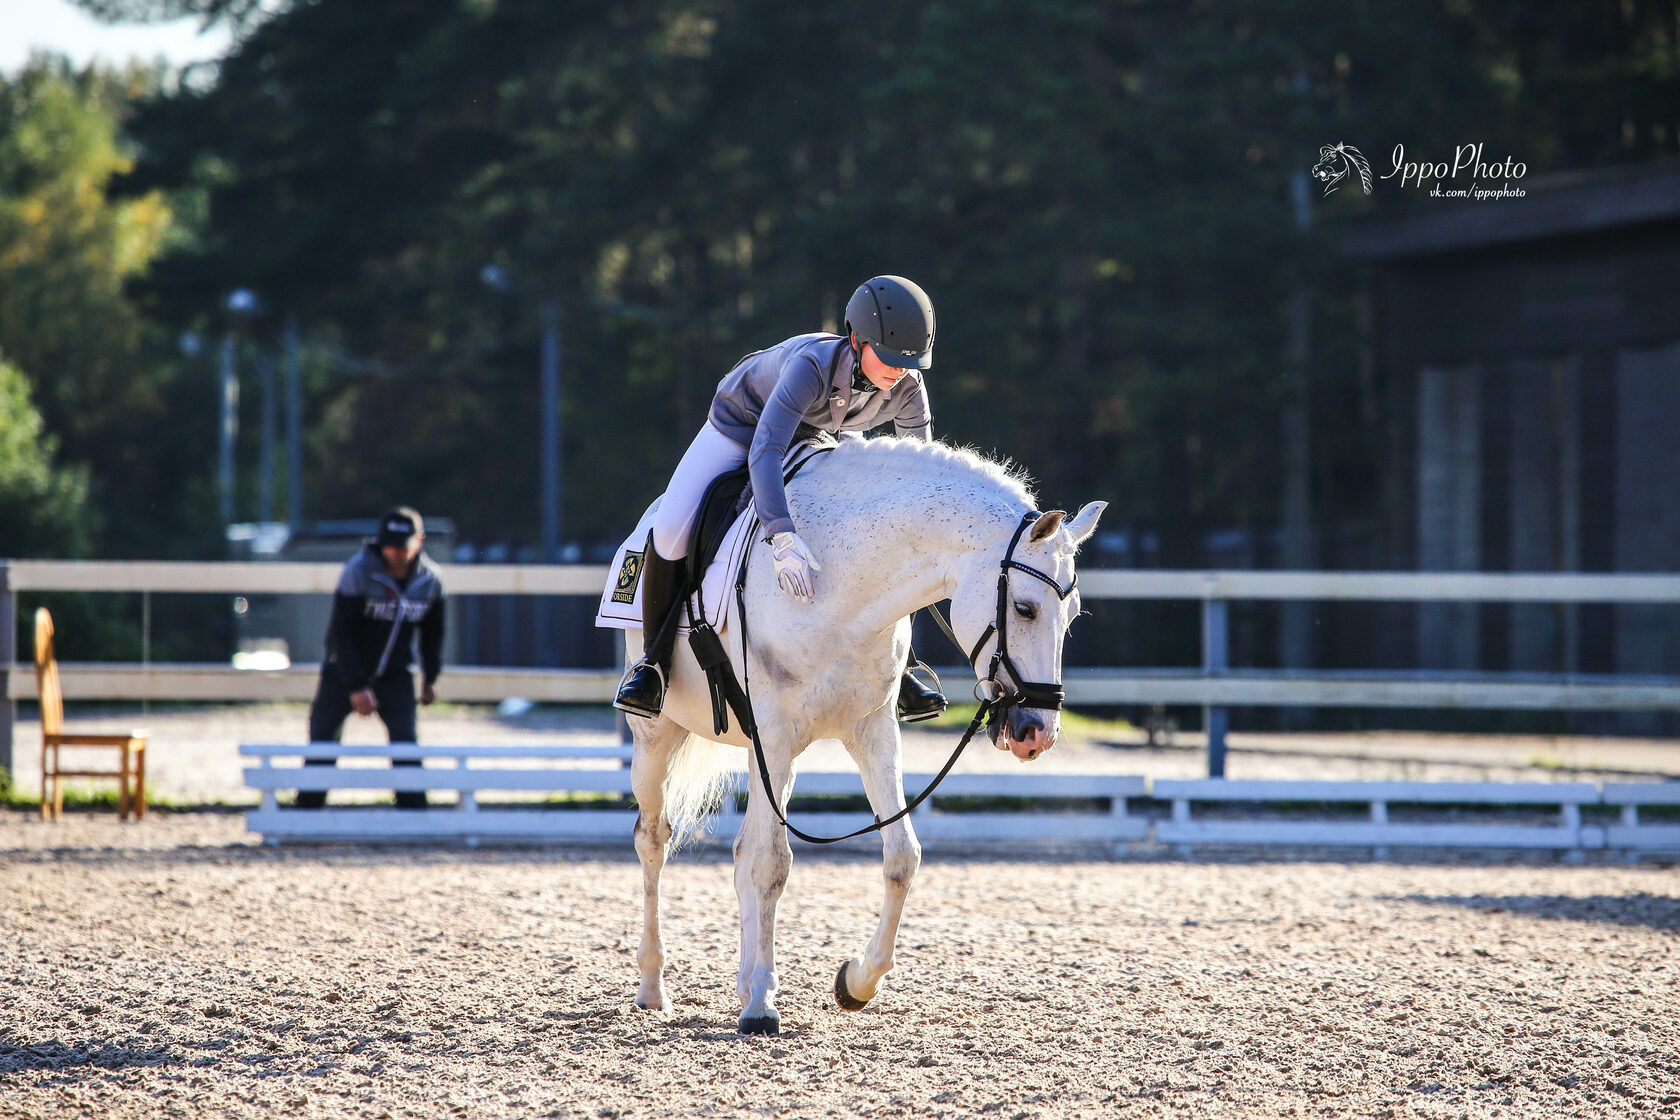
1528 351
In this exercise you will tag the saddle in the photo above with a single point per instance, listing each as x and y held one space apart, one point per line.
720 539
725 500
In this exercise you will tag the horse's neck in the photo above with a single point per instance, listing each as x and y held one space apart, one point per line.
915 540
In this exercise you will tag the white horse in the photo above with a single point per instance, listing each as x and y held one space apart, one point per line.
899 525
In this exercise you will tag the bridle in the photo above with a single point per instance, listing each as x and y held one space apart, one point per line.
1031 694
992 694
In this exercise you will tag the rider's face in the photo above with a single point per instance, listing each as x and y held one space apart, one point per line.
880 374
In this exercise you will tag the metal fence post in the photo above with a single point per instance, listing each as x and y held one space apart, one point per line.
8 657
1215 659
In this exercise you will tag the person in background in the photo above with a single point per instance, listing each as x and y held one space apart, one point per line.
387 591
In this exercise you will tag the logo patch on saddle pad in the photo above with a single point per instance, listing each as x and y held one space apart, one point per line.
624 590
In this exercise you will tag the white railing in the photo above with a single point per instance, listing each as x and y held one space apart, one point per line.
468 820
1203 812
1215 685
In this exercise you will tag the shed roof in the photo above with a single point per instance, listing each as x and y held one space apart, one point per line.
1559 205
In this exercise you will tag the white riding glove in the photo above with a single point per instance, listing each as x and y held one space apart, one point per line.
796 568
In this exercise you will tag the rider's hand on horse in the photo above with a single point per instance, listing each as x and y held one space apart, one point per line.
796 568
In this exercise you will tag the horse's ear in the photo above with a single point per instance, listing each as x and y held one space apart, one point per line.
1046 525
1084 522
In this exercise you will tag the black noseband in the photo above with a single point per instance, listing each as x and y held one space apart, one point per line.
1018 690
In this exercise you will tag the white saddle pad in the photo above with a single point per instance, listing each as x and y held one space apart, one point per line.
621 599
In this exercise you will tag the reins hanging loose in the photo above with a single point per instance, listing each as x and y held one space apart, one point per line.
1038 694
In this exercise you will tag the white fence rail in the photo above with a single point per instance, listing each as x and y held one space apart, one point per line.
1215 685
1243 813
1378 831
469 821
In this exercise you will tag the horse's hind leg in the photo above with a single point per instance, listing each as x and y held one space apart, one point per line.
657 741
876 750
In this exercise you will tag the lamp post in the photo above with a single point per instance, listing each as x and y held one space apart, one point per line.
241 303
227 430
549 491
550 431
294 427
496 277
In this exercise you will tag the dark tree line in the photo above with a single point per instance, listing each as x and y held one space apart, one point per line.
1096 193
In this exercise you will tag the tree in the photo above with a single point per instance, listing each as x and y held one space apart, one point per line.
1097 194
105 382
44 508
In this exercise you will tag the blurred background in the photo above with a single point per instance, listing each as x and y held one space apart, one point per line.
270 266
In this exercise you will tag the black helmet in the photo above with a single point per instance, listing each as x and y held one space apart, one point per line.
897 316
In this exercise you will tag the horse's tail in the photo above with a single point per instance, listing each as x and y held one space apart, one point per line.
695 786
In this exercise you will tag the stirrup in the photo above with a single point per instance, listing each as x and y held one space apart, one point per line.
645 710
931 710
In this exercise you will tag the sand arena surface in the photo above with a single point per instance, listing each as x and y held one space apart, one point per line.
174 968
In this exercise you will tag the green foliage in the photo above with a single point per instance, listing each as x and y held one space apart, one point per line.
105 385
43 505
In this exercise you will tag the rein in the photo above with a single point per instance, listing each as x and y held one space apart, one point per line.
998 697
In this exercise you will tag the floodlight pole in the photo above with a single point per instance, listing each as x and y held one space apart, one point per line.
8 658
550 431
550 465
270 429
228 430
294 427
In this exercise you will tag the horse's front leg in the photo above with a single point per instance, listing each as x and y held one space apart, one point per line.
763 857
656 743
876 750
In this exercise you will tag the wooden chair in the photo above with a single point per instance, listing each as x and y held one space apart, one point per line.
131 774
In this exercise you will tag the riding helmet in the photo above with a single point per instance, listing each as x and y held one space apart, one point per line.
897 316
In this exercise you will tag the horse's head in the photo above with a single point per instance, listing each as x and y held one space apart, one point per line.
1332 165
1020 624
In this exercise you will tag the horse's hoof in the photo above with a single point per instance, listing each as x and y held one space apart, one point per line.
760 1024
843 997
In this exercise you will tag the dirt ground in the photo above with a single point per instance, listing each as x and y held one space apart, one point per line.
172 967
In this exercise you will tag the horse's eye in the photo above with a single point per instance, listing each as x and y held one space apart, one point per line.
1027 611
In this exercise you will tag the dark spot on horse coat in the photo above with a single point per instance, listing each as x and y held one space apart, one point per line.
779 675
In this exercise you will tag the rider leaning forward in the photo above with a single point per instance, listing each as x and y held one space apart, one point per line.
810 383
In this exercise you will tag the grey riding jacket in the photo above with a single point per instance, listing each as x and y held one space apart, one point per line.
805 385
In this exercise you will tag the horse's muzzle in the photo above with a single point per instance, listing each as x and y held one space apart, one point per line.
1026 736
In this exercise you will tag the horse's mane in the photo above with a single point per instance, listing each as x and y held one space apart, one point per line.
943 460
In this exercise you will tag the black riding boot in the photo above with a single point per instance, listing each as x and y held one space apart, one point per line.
918 701
642 693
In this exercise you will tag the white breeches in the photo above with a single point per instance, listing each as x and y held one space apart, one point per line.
711 454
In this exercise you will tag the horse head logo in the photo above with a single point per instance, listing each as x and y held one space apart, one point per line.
1334 164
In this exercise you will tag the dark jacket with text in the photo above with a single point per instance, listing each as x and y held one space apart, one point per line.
374 616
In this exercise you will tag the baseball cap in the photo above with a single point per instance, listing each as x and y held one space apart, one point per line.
399 527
